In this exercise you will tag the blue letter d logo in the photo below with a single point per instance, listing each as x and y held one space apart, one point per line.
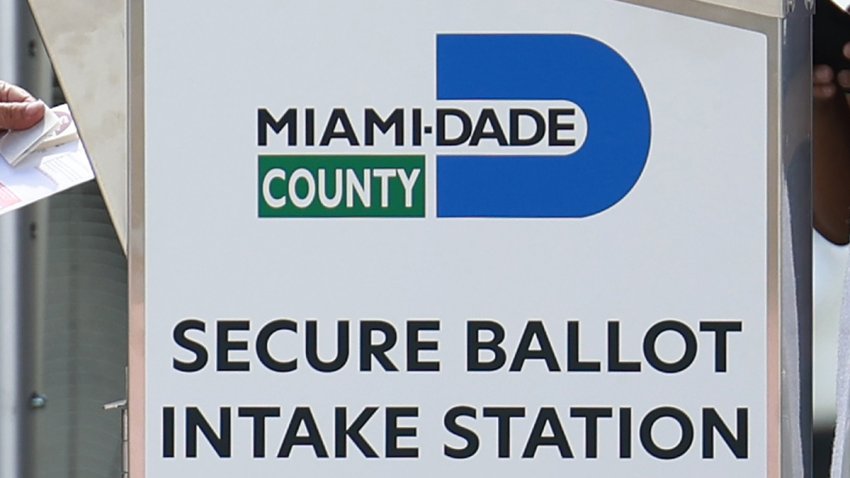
544 67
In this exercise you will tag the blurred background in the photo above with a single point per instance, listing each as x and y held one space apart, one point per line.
62 270
829 264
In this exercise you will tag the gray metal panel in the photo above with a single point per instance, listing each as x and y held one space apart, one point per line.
772 8
136 237
86 41
84 345
794 135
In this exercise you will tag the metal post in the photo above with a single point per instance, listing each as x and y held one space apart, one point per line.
22 61
121 405
11 396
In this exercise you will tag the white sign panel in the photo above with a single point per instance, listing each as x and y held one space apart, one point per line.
396 238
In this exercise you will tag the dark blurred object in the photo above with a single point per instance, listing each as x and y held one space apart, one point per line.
823 451
831 30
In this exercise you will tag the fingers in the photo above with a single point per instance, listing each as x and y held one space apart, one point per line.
824 92
10 93
823 74
21 115
843 78
18 109
824 86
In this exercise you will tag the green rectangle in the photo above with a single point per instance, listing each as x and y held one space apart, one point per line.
341 186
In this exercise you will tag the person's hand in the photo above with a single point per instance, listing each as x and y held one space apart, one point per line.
18 109
823 83
827 84
831 148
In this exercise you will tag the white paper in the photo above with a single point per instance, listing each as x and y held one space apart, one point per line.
64 132
16 145
48 170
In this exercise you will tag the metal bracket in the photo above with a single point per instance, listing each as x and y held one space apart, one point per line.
37 401
125 456
791 5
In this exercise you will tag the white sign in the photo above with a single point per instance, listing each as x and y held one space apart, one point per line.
389 238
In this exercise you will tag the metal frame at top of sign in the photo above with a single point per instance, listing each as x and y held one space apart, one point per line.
788 216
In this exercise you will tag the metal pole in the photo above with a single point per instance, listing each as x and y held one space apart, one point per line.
22 61
11 402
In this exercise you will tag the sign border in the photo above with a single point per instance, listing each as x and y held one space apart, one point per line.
789 260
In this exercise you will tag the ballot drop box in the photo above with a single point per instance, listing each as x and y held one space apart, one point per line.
469 238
